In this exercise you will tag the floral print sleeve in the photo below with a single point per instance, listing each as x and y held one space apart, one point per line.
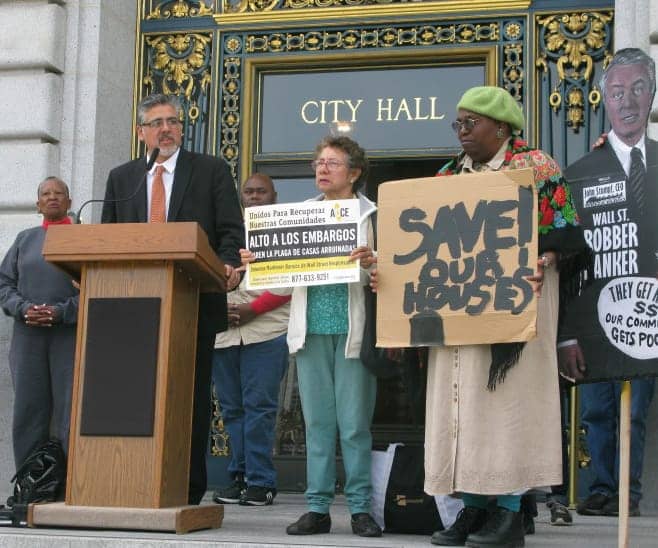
556 209
559 225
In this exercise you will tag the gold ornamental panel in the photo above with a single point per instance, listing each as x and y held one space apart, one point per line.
570 45
178 9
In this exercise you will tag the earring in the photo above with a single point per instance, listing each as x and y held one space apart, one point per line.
499 132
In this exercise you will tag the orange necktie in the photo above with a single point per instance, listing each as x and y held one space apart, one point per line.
158 214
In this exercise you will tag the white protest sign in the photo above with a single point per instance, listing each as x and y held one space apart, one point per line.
301 244
628 314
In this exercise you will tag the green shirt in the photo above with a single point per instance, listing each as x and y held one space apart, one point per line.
326 309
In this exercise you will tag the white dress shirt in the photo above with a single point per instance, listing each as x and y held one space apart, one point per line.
623 151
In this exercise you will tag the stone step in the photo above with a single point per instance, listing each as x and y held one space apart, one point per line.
251 527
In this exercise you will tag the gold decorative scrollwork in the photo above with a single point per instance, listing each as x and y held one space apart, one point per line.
259 6
219 439
513 71
388 37
583 456
181 8
181 61
231 113
513 31
573 43
575 112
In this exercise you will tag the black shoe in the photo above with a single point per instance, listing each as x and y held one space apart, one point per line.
469 520
311 523
503 529
364 526
232 493
593 505
611 508
560 514
256 495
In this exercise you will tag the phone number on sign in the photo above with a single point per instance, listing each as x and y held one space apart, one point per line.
322 276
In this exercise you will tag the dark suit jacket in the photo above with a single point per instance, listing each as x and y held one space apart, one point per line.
581 321
603 161
203 191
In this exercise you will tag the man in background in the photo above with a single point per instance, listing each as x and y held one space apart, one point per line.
249 362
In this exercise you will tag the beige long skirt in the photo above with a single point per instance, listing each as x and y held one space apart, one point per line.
501 441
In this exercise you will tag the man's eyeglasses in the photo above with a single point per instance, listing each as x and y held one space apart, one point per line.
159 122
467 123
331 165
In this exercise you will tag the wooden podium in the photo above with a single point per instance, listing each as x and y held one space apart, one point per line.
131 417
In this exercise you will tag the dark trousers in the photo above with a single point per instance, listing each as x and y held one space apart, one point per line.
201 415
41 365
600 414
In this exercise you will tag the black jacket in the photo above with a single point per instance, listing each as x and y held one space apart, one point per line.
203 191
624 242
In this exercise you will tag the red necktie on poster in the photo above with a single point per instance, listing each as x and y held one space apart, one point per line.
158 200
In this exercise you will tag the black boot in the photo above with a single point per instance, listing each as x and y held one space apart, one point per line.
529 511
469 520
503 529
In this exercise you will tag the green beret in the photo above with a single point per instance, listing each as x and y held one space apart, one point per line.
494 102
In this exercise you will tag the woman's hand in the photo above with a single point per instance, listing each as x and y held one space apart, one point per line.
364 255
547 260
40 315
247 257
374 279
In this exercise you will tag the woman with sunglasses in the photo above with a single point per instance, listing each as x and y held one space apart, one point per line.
325 330
493 411
492 426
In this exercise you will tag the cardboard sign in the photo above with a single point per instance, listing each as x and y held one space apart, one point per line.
301 244
453 256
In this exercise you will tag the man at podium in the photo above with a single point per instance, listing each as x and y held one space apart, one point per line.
183 186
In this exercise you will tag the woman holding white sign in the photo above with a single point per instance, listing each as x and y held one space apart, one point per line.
493 411
325 332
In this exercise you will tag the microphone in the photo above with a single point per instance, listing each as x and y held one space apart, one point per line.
149 165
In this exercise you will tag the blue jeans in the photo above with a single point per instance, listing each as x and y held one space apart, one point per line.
247 379
599 414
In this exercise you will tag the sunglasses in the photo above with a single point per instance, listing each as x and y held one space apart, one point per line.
467 123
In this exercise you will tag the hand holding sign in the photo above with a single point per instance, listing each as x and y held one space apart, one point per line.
364 255
571 362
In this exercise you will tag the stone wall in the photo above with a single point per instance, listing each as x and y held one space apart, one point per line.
66 74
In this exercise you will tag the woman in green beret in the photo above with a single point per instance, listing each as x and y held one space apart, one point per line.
493 411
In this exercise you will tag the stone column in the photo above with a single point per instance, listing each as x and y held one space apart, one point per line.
66 74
